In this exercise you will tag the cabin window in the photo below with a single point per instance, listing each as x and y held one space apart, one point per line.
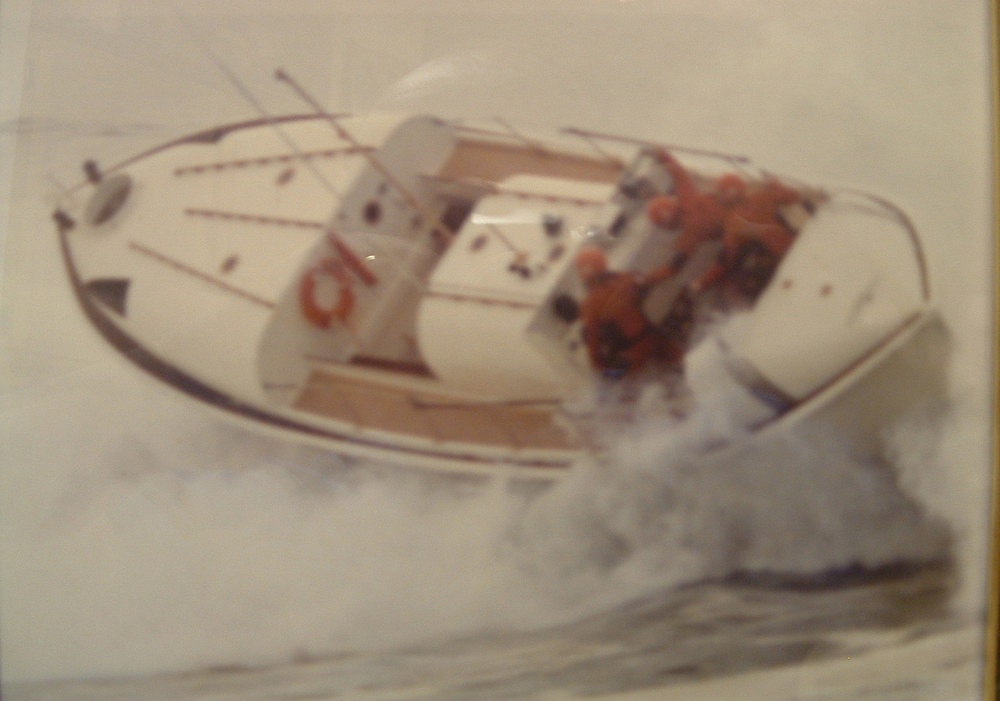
372 212
456 213
553 224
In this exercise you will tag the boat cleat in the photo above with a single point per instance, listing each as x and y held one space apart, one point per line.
110 195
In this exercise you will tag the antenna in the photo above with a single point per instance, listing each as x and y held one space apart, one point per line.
353 261
381 168
411 199
601 136
613 160
247 95
530 143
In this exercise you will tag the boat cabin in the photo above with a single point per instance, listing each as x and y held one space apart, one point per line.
439 311
451 255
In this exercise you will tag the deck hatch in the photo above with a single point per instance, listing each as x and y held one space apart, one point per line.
372 406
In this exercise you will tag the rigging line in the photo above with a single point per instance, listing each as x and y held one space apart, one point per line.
644 142
241 217
253 218
381 168
351 259
263 161
194 272
387 258
530 143
525 195
247 95
496 231
491 189
610 158
282 76
408 195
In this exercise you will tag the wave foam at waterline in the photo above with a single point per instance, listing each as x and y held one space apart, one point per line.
943 459
169 541
657 513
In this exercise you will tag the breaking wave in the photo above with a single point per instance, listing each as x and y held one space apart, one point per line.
214 546
658 512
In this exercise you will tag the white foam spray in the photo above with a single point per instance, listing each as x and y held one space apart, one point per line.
173 542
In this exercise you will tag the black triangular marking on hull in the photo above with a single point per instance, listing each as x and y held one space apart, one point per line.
113 292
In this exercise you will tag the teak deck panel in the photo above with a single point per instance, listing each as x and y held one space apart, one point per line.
370 405
492 161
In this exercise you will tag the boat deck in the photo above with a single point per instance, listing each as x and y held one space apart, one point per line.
369 405
491 161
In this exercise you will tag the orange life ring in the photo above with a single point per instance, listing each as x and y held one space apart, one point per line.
312 310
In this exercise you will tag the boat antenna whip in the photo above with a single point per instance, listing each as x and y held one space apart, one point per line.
351 259
247 95
282 76
530 143
413 201
601 136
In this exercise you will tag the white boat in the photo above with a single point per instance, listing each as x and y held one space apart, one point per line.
404 287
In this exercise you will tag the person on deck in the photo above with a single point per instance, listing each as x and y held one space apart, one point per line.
620 338
698 215
742 219
754 237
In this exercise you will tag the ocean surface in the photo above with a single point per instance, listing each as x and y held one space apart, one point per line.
151 551
662 642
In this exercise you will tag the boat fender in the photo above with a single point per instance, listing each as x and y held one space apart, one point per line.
312 310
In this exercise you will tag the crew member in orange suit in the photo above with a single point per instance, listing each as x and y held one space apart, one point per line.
732 213
619 337
753 222
697 214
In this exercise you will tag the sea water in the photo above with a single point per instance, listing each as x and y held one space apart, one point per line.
150 551
281 574
216 563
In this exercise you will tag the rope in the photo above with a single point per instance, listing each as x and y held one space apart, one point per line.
252 218
184 268
269 160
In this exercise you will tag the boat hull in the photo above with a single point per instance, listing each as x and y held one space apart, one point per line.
185 285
